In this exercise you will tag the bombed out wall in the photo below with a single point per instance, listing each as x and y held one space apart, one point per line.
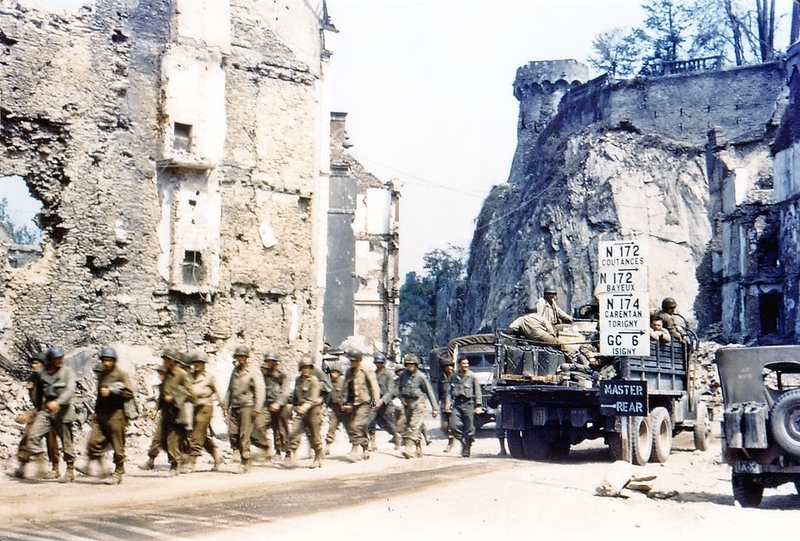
176 147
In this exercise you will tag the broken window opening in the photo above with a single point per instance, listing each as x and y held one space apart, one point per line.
769 306
18 210
182 137
194 273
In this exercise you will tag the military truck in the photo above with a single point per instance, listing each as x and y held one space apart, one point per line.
547 405
479 349
761 419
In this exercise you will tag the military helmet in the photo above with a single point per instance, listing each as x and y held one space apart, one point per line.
550 289
668 303
199 357
379 358
410 359
448 361
184 359
170 353
306 361
54 352
271 356
161 368
335 366
353 354
108 353
98 367
241 351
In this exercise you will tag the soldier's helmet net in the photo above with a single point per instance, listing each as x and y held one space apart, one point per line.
108 353
668 303
410 359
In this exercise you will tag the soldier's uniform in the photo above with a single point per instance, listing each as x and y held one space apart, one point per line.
276 412
413 389
110 423
175 392
383 416
307 403
204 388
58 384
34 388
444 390
244 397
336 398
362 392
463 398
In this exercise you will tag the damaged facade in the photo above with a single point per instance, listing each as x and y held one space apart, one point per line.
178 148
363 278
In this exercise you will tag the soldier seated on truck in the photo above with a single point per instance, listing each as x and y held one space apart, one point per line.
667 315
535 327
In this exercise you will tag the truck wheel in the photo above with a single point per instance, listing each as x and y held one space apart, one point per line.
535 444
784 420
662 434
745 489
514 440
702 428
642 439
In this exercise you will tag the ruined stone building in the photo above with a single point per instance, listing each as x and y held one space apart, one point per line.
653 157
181 151
363 274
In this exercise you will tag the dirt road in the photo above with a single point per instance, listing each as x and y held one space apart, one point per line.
439 496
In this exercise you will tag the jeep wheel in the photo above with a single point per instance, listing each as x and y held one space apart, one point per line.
514 440
745 489
662 435
702 428
642 439
784 420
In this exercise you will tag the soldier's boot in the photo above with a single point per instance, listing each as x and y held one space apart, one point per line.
244 466
354 455
419 450
365 453
408 449
328 448
398 441
69 473
41 466
466 447
451 441
291 460
503 451
19 473
190 464
53 473
317 459
86 467
116 477
174 470
148 464
373 445
217 460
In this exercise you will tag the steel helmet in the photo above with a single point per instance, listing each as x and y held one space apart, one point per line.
550 289
241 351
271 356
353 354
108 353
379 358
199 357
170 353
410 359
306 361
448 362
668 303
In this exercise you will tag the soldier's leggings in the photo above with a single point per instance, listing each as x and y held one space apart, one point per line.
357 427
42 424
240 426
335 417
108 430
310 423
199 436
414 414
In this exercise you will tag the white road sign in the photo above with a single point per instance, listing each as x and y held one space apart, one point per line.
622 295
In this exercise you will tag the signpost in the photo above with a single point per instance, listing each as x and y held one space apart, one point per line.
622 294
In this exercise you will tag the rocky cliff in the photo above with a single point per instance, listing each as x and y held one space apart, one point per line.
617 160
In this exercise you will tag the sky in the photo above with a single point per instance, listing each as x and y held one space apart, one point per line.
427 85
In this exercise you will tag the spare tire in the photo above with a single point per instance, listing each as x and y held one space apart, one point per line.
784 422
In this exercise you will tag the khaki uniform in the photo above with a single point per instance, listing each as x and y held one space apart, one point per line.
204 388
307 403
245 395
336 415
362 391
173 419
413 389
383 417
109 424
463 398
59 386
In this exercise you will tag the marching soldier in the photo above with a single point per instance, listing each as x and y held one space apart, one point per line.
242 404
306 402
448 367
362 391
204 388
335 401
276 409
464 401
383 414
175 391
414 387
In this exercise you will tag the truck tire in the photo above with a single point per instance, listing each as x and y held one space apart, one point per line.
514 440
642 440
662 435
745 489
535 443
702 428
784 420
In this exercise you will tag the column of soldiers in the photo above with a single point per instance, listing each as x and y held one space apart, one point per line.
258 399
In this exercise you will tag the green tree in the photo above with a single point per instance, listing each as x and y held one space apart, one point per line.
666 24
19 234
616 52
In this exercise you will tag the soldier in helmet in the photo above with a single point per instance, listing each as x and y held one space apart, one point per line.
204 389
362 392
414 388
548 309
336 399
382 413
667 315
58 384
448 367
155 443
464 401
175 391
277 411
307 407
242 404
114 388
